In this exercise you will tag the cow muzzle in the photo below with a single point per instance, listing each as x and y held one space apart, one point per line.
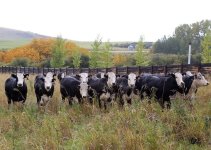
20 85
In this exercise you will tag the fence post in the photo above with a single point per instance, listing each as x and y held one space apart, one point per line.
199 67
152 69
66 70
127 70
116 70
139 70
181 68
165 69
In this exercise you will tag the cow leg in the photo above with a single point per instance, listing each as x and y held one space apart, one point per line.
70 100
99 101
168 105
121 101
105 105
9 102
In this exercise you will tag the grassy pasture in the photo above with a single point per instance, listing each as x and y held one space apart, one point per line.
140 126
9 44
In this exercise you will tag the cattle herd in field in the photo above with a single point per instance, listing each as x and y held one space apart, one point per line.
106 87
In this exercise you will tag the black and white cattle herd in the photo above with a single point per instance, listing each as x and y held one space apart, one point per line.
106 87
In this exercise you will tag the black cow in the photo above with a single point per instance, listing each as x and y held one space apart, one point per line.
70 87
16 88
161 86
44 88
101 90
124 90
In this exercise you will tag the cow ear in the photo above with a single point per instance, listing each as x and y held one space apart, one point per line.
172 75
44 74
89 76
125 76
77 75
26 76
137 77
105 76
54 75
53 80
14 75
195 76
184 73
117 76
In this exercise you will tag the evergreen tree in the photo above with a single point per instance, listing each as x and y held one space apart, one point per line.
106 55
206 48
94 54
139 55
58 53
76 59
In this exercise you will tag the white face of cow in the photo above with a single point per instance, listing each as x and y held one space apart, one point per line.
111 79
179 80
200 80
20 78
83 77
84 89
49 80
131 79
189 73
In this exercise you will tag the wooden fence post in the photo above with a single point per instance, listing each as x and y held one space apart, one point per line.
127 70
199 67
152 69
181 68
165 69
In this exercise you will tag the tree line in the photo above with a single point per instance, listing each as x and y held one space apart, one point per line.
183 35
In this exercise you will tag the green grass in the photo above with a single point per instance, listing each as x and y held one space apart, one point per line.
8 44
140 126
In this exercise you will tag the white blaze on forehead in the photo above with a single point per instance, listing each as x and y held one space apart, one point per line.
102 75
20 77
48 80
84 89
179 80
83 77
111 79
131 79
189 73
200 80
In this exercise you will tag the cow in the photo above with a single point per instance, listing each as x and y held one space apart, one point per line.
70 87
192 83
44 88
125 86
161 86
16 88
101 90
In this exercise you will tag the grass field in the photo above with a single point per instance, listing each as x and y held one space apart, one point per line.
140 126
8 44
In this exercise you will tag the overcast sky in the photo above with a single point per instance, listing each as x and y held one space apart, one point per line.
114 20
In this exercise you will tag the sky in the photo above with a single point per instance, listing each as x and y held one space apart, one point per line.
113 20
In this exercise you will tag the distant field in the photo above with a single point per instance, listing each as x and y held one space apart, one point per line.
8 44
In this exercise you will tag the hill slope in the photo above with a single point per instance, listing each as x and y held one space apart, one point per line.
11 38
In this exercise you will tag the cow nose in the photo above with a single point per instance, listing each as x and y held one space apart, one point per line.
114 84
84 96
208 83
48 87
132 86
19 84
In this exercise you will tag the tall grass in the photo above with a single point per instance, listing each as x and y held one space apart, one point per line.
140 126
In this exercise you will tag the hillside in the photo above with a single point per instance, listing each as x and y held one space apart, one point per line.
10 38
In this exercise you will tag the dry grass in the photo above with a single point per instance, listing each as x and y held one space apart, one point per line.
140 126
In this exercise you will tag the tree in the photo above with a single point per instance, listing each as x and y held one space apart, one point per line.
76 59
94 55
106 56
206 48
139 55
58 53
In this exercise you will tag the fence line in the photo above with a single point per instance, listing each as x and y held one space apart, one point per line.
164 69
